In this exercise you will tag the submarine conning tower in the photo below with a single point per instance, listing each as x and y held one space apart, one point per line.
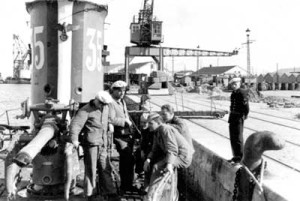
67 43
67 46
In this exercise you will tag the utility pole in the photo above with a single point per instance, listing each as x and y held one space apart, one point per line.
248 55
172 65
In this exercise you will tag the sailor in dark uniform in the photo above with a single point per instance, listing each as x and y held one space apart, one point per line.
239 110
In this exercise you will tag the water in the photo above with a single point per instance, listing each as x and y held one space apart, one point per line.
11 97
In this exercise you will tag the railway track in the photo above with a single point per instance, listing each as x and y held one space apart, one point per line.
249 116
196 122
228 104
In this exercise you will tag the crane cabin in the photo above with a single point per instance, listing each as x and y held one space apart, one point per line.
146 30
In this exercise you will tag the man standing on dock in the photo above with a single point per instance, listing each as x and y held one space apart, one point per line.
123 137
239 109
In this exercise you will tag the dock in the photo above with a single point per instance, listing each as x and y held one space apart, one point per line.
210 175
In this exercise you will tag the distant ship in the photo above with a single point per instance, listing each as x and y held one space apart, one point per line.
12 80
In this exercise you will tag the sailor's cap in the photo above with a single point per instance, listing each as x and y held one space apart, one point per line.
119 84
152 116
233 80
104 97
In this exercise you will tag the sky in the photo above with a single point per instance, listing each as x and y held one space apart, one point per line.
213 25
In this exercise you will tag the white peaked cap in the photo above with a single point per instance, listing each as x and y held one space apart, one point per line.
104 97
119 84
236 79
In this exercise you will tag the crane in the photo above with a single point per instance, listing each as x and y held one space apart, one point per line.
20 53
146 31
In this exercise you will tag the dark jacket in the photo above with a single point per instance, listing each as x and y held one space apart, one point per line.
91 123
147 140
183 129
117 115
239 107
169 144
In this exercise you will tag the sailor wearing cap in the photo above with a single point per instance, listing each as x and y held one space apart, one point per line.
123 137
170 150
91 123
119 84
239 109
235 80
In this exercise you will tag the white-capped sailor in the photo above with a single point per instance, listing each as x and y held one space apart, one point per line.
91 123
235 80
104 97
119 84
239 109
123 136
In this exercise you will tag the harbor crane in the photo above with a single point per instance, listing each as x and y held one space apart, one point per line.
20 54
146 33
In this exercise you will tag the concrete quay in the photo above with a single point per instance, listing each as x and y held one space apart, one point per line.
211 177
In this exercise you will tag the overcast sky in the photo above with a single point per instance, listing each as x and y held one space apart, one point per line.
213 25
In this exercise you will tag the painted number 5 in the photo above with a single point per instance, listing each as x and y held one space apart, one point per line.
94 59
39 56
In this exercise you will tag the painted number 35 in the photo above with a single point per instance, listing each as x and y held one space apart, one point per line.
94 53
93 58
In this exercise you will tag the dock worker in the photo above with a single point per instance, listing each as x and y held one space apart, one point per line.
170 150
167 113
123 136
91 124
144 150
239 110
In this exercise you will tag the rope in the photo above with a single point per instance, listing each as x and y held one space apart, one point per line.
258 181
135 126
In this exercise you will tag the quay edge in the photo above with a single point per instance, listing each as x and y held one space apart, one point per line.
211 178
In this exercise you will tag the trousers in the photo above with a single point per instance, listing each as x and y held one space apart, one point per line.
236 128
126 165
95 158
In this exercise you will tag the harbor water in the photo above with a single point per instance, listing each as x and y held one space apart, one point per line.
11 96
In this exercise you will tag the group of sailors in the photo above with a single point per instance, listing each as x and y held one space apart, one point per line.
166 144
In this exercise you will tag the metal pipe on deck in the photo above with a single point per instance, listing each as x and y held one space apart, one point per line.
25 156
27 153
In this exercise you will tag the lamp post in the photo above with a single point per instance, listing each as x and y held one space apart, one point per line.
248 55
